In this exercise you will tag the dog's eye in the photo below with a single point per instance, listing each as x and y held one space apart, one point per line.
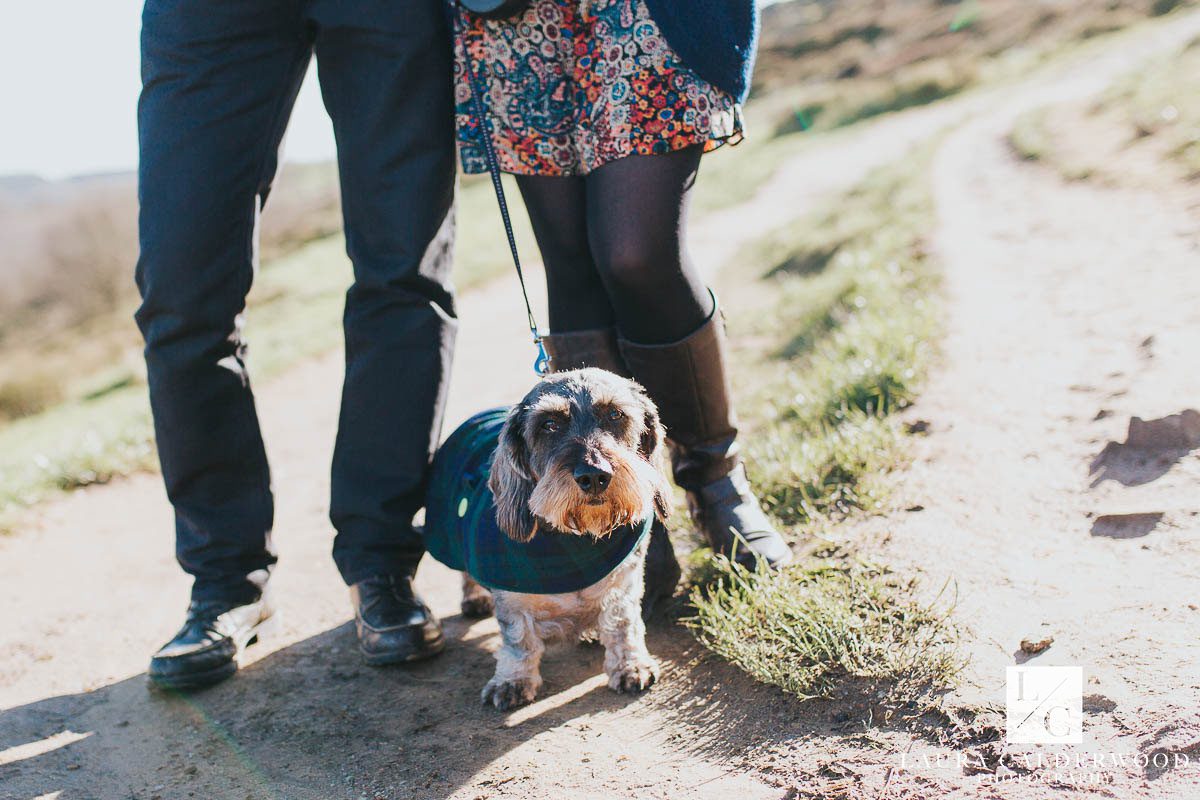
615 414
550 425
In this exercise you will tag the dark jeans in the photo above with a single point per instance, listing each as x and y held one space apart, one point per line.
219 81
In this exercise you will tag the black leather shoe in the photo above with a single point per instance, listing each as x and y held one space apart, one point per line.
206 649
662 571
394 626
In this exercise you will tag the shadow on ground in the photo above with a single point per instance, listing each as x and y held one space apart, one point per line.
306 721
309 721
1151 448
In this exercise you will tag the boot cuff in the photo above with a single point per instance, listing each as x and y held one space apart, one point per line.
579 349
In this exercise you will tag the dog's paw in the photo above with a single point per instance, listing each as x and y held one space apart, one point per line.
510 694
634 676
478 606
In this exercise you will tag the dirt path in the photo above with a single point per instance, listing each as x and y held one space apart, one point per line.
1056 491
1072 313
1049 301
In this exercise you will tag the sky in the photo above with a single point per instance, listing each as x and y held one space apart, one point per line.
69 85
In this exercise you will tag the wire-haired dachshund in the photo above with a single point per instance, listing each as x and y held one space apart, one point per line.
580 455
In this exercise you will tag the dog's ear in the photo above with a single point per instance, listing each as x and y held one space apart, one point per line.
662 498
653 435
652 449
511 480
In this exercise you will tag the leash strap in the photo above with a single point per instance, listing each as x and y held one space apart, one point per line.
483 132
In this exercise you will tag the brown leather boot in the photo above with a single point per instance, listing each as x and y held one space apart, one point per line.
579 349
598 348
689 382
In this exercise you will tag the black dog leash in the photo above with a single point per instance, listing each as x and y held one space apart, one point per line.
483 131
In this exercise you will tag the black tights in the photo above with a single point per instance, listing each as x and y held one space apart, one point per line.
613 246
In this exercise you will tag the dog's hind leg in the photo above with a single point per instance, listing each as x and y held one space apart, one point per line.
517 679
627 662
477 601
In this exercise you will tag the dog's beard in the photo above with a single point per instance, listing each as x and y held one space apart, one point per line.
559 501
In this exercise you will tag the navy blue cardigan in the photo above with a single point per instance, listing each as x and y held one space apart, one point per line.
715 38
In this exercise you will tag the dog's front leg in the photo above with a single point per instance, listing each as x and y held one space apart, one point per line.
517 679
627 663
476 600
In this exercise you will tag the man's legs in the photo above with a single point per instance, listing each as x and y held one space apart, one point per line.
386 78
219 81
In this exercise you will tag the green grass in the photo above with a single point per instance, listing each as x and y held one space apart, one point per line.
848 341
28 395
106 432
103 430
1002 44
1037 137
1030 138
825 625
1162 103
1160 7
482 251
1154 112
733 174
841 105
844 344
1034 138
839 72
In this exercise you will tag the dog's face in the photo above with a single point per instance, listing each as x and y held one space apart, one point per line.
581 453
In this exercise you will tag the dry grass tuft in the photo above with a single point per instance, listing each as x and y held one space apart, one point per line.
827 622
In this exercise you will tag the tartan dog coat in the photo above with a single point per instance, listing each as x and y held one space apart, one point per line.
461 530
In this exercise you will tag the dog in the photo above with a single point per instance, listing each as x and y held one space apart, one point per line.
580 456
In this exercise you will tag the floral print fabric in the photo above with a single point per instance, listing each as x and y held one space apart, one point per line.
571 85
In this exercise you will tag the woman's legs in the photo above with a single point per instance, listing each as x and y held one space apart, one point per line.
636 210
672 341
612 245
581 321
558 211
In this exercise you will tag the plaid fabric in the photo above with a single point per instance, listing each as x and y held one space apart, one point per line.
461 530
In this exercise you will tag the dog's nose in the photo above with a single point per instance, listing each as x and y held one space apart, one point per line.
592 479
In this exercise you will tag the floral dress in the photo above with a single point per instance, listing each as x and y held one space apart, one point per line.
570 85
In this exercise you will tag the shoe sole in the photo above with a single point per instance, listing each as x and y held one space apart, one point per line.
211 677
392 659
194 680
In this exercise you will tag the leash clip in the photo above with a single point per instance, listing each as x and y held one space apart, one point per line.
541 364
